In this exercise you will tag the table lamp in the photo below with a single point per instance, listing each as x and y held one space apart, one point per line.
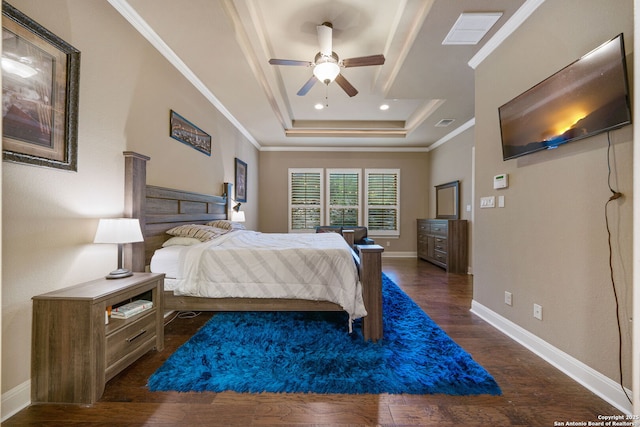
119 231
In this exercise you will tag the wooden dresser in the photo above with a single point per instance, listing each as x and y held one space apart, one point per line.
75 352
443 242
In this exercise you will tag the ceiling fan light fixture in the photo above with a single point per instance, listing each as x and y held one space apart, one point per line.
326 71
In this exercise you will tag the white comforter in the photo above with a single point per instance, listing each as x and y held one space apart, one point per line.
249 264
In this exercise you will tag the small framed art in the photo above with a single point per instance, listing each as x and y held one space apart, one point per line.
241 181
188 133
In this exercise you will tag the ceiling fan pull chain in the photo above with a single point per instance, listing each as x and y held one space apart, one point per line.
326 96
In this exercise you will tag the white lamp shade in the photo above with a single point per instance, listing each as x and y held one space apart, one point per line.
118 230
326 72
237 216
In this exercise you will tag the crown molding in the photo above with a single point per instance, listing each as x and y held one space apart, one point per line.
457 131
129 13
521 15
348 149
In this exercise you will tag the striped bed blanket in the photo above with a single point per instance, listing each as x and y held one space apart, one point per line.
250 264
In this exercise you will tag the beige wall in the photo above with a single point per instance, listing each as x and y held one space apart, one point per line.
453 161
549 244
49 216
414 189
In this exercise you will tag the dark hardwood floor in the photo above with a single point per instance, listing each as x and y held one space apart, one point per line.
534 392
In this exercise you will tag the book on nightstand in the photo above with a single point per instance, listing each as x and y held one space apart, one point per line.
131 309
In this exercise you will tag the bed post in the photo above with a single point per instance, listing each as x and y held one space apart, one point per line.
135 187
371 278
226 192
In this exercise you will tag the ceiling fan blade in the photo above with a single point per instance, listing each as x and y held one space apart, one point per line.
307 86
345 85
325 34
363 61
290 62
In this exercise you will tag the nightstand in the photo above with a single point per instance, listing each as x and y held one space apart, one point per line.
74 352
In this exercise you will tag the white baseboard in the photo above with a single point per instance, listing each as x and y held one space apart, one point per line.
15 400
602 386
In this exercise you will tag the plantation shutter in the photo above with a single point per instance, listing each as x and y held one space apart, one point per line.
305 199
383 206
344 197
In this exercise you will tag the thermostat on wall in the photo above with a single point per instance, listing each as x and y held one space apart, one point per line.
500 181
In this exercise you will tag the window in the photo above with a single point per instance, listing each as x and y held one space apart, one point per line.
377 207
305 199
382 201
343 188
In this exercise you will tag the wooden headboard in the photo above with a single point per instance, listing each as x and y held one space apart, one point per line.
160 208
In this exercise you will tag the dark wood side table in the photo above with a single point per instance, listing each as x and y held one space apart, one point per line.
74 352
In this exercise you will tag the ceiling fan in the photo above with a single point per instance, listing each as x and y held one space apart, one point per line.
326 64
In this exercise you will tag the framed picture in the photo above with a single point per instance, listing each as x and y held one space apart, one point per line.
40 82
188 133
241 181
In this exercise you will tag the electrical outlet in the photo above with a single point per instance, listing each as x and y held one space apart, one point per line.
537 311
507 297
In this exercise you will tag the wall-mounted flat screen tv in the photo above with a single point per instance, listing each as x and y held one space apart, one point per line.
585 98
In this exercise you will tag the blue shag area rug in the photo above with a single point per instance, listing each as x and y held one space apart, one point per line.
296 352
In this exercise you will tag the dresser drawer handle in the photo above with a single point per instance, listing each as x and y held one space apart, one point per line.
138 335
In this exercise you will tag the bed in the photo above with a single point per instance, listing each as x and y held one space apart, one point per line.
160 209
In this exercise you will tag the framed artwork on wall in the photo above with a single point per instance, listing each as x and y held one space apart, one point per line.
40 83
241 181
188 133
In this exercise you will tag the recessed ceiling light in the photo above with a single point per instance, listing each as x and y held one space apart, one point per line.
318 106
384 107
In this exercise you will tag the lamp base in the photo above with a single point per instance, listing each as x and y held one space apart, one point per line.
119 274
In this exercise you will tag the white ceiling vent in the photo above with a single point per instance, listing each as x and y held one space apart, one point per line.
470 28
444 123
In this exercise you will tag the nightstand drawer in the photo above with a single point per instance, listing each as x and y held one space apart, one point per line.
124 341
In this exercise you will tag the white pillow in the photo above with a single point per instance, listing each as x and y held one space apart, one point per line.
181 241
